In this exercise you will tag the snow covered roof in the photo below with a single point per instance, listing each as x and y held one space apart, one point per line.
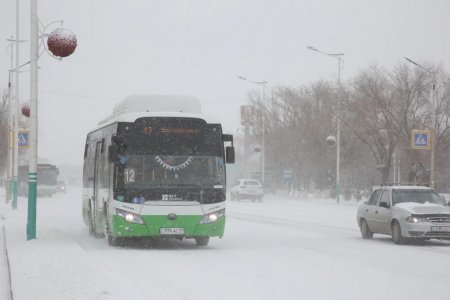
139 106
158 103
411 187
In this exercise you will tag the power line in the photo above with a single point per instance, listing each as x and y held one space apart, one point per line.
118 99
78 95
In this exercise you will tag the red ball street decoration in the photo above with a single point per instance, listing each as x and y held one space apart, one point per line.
26 110
61 42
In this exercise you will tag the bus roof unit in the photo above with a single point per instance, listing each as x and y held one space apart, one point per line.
158 103
155 105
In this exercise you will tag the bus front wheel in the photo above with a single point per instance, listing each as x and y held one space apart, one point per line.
112 240
202 240
91 222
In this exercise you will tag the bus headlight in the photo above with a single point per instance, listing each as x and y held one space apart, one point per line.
212 217
129 216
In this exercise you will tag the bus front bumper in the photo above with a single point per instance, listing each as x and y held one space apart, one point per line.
161 226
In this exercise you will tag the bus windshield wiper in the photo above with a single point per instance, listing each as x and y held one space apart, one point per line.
185 185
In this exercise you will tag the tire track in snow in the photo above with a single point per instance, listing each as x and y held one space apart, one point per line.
301 225
339 249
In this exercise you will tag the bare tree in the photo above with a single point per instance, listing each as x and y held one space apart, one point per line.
377 110
369 104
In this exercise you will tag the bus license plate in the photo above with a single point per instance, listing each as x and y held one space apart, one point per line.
171 231
440 228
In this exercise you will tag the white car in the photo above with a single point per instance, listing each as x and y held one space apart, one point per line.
405 213
247 189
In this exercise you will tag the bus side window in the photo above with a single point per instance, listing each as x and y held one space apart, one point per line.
103 146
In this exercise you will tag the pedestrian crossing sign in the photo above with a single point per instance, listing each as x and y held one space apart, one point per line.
420 139
23 139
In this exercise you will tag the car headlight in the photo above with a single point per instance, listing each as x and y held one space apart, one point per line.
212 217
412 219
129 216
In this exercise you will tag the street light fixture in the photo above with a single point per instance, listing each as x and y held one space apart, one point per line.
263 147
64 41
337 56
434 126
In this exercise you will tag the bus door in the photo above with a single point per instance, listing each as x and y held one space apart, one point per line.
98 148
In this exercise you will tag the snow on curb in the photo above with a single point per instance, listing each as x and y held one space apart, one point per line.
5 274
55 266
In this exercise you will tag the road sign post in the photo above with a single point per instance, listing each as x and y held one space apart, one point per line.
424 140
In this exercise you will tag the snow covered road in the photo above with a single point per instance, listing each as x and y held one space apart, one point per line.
282 248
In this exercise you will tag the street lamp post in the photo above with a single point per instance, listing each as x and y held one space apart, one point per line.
434 125
15 111
61 43
263 146
337 56
10 129
32 176
16 115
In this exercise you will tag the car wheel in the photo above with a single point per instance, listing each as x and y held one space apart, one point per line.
365 230
202 240
397 234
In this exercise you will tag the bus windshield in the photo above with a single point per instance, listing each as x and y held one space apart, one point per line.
157 171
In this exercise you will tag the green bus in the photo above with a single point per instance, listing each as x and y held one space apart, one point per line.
156 168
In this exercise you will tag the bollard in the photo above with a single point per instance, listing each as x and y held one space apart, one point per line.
8 190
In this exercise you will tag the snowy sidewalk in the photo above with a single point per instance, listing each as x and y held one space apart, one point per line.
54 265
5 287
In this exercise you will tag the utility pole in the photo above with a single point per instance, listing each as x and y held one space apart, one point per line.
263 142
10 130
337 56
434 127
32 176
16 116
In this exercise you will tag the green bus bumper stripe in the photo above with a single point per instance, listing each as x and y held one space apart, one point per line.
153 224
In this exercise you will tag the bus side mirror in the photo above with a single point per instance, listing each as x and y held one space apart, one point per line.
113 153
229 151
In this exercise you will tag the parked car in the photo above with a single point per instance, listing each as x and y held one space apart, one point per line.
247 189
405 213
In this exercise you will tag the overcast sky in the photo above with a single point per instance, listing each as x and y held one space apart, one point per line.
200 47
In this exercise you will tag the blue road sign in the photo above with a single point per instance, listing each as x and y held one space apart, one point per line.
420 139
23 139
